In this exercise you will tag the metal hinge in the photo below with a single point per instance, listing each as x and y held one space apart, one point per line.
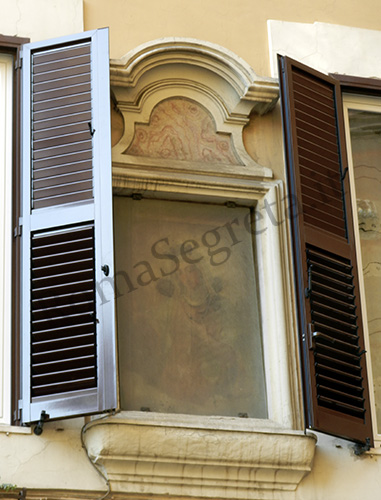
17 414
18 62
18 229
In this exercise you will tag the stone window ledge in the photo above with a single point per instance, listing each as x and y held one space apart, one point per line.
204 457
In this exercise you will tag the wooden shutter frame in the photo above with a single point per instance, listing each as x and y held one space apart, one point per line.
104 397
324 420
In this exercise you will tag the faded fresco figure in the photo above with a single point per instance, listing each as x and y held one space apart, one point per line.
189 325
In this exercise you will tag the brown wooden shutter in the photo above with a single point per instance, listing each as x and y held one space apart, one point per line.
68 345
329 310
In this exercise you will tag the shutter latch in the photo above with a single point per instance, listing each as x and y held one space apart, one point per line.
92 130
39 427
360 448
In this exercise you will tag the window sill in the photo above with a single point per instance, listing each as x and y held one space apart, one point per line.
14 429
200 457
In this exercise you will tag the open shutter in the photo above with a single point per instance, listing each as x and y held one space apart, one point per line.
330 320
68 328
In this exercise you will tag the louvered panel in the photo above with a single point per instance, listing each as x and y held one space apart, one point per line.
63 346
333 333
51 123
61 124
319 153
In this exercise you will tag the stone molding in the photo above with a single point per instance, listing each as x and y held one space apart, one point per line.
206 73
203 457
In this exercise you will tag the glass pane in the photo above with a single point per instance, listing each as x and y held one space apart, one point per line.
365 130
188 321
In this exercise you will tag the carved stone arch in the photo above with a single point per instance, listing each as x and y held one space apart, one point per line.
206 74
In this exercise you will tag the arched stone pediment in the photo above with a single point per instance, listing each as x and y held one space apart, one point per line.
217 83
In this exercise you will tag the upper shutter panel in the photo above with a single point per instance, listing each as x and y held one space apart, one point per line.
329 312
68 331
61 124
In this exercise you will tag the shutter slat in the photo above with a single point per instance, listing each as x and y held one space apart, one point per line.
61 161
69 334
58 151
59 343
55 180
309 218
59 140
320 87
312 109
58 388
60 74
61 64
65 82
63 310
63 130
62 91
336 304
68 120
60 112
61 53
62 102
304 116
64 199
341 406
68 168
321 198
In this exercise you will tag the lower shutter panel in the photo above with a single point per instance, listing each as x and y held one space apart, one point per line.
63 329
329 311
334 334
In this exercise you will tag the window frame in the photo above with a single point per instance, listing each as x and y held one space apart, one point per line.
359 95
12 45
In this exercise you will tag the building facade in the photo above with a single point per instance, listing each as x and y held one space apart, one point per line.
190 239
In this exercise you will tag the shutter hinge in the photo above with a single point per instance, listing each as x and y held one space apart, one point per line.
18 229
307 291
18 62
360 448
17 414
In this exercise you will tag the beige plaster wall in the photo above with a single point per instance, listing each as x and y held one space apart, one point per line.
238 25
40 19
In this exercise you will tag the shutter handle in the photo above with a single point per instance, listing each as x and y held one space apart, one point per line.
92 130
106 270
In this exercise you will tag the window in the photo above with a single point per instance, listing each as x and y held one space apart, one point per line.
190 338
363 125
67 342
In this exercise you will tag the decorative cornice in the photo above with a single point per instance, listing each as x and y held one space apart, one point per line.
206 73
261 91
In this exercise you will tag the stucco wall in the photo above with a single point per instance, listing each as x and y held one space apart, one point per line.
238 25
40 19
56 459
